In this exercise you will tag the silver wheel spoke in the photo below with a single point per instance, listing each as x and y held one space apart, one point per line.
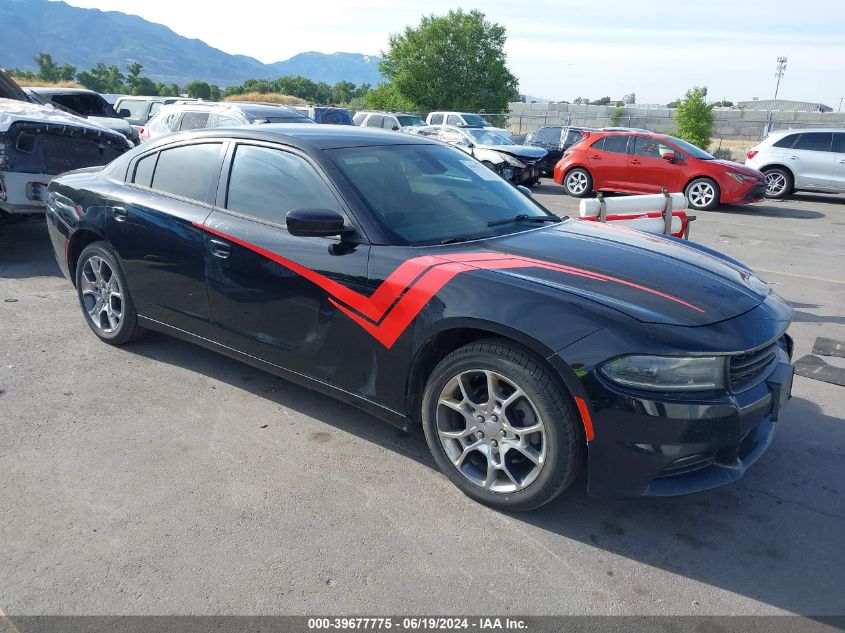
484 416
102 297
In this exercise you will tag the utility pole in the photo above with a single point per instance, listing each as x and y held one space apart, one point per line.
840 104
781 69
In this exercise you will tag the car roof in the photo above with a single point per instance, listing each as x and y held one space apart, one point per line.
56 90
803 130
315 136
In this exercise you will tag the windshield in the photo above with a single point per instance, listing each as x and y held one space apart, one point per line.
486 137
86 104
426 194
690 149
335 116
474 119
412 121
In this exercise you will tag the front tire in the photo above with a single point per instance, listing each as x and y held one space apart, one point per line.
578 183
501 427
104 296
702 194
779 183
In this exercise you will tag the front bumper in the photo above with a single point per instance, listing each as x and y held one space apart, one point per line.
662 446
742 193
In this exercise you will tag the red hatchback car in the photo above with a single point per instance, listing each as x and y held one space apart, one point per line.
642 162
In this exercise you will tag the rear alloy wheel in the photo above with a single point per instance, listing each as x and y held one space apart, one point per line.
500 426
104 297
578 183
702 194
778 183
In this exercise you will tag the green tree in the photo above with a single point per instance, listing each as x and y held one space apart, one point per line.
616 116
103 78
451 62
581 101
199 90
694 117
602 101
215 92
343 91
387 97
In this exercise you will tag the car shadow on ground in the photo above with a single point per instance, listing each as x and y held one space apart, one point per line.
774 536
25 251
769 210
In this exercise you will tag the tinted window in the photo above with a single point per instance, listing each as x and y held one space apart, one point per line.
436 119
616 144
547 136
411 121
786 141
188 171
267 183
430 193
85 104
689 148
474 119
375 121
815 141
839 142
144 170
599 144
651 148
194 120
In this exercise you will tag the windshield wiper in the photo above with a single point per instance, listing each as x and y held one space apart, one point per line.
454 240
522 217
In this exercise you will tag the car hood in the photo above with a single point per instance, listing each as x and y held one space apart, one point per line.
526 151
651 278
737 167
12 111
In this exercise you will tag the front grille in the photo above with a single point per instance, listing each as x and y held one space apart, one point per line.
757 192
686 465
746 368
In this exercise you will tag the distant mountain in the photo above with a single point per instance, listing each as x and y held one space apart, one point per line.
83 37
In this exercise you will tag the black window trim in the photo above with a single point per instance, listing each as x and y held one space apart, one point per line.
219 206
161 148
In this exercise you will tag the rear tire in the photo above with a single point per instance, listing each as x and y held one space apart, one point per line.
578 183
702 194
104 296
779 183
501 426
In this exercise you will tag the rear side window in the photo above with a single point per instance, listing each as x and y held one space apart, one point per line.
436 119
188 171
616 144
786 141
155 106
375 120
135 106
815 141
194 121
266 183
144 170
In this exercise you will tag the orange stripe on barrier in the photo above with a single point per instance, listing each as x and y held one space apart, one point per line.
585 418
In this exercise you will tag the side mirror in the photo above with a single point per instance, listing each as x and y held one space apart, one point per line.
395 127
670 156
525 191
679 158
315 223
124 113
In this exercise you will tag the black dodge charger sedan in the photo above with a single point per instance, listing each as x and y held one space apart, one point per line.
406 278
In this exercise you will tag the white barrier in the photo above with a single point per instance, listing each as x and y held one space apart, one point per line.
625 205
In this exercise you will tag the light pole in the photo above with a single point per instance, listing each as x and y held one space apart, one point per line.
779 73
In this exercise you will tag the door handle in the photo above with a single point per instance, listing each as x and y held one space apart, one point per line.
219 248
636 162
793 158
595 157
842 162
119 214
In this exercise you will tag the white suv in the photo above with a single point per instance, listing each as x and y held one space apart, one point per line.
396 121
808 160
464 119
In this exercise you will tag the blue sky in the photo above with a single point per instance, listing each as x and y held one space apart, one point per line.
561 49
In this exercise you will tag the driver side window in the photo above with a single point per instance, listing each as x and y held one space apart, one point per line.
266 183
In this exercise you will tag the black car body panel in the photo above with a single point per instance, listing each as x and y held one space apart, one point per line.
364 320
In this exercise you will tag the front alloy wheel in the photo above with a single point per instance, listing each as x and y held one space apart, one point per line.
578 183
501 425
702 194
491 431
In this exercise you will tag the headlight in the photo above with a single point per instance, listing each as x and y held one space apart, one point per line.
512 161
667 373
739 177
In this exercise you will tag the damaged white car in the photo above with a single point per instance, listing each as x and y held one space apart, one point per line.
39 142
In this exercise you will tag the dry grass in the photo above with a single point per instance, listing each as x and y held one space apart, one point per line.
737 148
267 97
46 84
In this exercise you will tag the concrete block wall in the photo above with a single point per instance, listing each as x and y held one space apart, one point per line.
741 125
